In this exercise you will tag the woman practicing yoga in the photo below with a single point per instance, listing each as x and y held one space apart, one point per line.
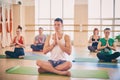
94 40
18 42
106 45
58 44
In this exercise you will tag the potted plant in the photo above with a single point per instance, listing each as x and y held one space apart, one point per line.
118 39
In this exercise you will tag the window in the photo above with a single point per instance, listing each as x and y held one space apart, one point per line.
103 12
47 10
107 8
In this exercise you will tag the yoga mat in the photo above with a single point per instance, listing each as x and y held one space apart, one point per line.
74 73
90 60
32 57
103 65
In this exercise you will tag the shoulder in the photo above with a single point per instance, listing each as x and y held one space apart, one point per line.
15 37
43 35
37 36
67 37
22 37
102 39
91 37
111 39
48 37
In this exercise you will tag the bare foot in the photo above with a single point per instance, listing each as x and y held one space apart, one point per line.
114 60
65 73
40 70
68 73
21 57
101 61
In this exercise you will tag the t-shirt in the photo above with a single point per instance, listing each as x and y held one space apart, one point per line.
106 51
40 39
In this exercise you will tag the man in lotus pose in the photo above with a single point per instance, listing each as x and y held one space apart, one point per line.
58 44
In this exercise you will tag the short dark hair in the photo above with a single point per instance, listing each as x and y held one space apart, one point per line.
19 27
59 19
40 28
106 29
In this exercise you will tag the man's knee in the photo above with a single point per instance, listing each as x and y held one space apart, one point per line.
117 53
6 52
32 46
39 62
69 64
98 54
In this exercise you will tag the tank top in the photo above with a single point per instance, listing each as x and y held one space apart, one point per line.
95 43
56 52
20 40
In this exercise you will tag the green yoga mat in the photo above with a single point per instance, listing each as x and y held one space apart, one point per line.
89 60
74 73
85 60
32 57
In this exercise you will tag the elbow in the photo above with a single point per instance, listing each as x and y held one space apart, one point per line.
69 52
44 51
115 49
98 48
89 42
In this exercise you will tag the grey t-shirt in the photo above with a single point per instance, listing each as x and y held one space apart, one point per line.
40 39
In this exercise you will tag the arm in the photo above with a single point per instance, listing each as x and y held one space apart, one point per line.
35 40
90 40
47 46
67 47
112 47
43 39
99 47
21 45
13 42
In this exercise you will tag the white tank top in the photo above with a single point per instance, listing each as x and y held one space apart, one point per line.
56 52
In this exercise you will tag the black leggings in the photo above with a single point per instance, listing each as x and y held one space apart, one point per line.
108 58
17 52
37 47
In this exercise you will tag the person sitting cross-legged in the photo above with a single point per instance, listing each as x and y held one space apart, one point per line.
19 44
39 41
106 45
58 44
94 40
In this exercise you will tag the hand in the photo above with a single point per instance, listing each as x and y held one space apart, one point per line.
17 42
107 43
35 44
57 40
40 40
54 41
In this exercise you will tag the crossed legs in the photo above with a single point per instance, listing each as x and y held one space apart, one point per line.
61 69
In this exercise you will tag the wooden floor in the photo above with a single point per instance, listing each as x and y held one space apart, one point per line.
114 73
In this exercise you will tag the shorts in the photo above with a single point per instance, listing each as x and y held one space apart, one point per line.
56 63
